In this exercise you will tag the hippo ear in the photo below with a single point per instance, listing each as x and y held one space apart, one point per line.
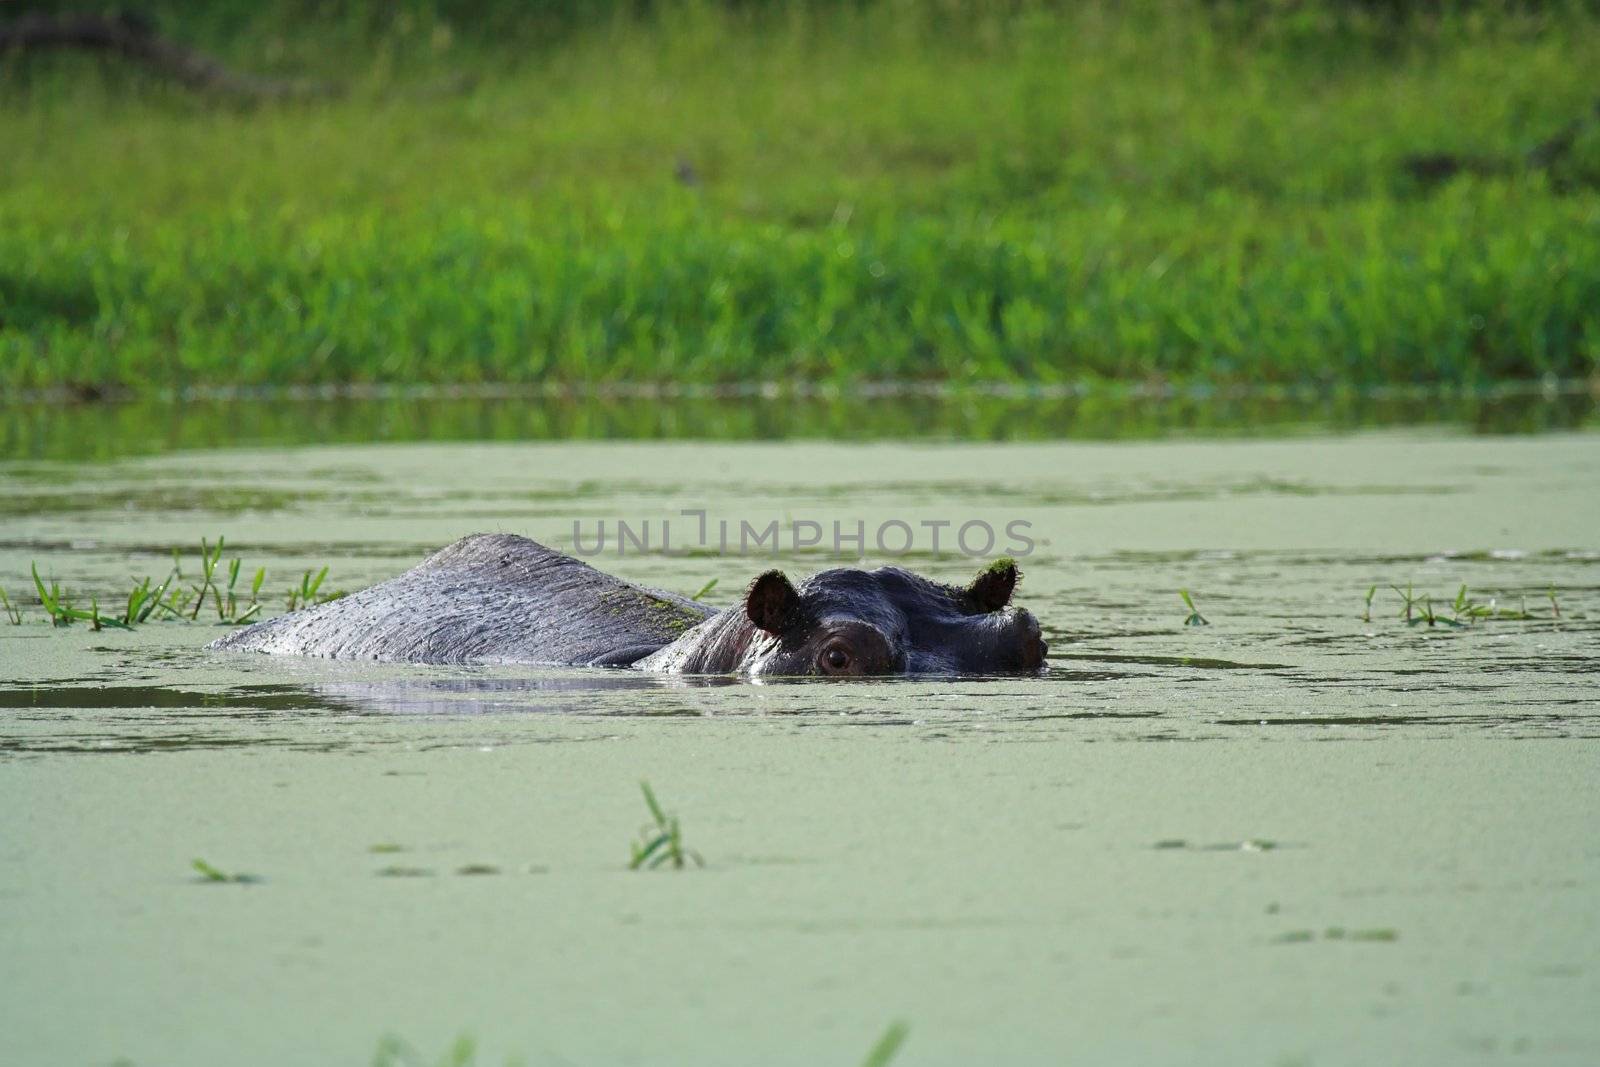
771 602
991 589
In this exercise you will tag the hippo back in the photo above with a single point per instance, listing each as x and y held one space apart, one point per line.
488 598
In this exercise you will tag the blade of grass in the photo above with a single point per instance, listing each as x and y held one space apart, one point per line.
887 1046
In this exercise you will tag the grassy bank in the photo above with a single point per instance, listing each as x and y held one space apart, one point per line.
1161 193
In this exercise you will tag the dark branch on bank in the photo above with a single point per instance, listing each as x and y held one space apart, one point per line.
134 37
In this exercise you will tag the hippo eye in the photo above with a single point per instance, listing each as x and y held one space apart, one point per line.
835 659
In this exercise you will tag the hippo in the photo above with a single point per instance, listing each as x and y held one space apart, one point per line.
501 598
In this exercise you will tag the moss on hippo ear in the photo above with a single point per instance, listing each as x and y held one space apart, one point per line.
991 589
772 602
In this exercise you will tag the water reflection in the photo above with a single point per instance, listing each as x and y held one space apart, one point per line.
107 431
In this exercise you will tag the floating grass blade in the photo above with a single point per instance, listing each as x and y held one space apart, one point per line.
704 589
1366 612
13 614
1195 618
887 1046
208 873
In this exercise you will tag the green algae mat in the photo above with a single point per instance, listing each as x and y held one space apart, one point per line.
1308 832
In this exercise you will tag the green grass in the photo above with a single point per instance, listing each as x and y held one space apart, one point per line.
1417 609
212 875
1141 192
661 842
13 613
885 1048
171 600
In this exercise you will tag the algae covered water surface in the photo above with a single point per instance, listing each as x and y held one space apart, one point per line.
1309 832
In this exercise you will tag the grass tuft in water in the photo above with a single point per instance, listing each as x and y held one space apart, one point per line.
704 589
1416 609
1195 618
172 600
660 842
1409 599
142 601
61 611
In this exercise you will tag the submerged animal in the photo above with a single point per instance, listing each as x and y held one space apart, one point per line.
500 598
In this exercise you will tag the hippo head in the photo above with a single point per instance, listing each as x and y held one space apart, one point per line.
846 623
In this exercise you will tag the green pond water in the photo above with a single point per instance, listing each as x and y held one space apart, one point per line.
1290 837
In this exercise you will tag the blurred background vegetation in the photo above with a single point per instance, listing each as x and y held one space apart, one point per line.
467 191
